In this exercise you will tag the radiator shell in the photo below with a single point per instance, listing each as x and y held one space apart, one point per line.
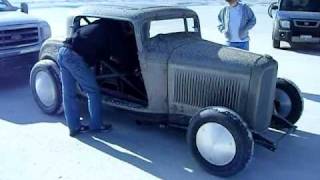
221 76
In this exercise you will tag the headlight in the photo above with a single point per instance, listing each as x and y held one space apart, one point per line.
45 30
285 24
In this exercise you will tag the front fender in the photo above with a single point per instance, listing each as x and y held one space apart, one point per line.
50 49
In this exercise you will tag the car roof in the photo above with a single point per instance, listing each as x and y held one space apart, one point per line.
133 12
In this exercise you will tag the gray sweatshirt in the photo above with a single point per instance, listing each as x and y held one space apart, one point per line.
248 20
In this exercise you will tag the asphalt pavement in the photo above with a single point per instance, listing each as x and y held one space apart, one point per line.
36 146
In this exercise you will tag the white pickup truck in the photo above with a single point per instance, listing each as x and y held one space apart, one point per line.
21 37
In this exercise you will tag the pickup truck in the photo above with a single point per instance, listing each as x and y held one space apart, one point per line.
295 21
21 37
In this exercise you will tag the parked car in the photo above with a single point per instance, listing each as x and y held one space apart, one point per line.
226 98
295 21
21 37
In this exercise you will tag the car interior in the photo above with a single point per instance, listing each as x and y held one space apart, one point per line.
119 75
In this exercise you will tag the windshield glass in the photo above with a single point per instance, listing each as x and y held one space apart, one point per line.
300 5
5 6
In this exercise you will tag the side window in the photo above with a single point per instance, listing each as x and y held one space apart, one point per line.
81 21
87 20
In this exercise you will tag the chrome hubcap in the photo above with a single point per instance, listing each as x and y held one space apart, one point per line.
45 88
283 104
216 144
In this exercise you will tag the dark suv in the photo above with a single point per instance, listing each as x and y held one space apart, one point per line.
295 21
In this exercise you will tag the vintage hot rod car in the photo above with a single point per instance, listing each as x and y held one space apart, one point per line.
226 98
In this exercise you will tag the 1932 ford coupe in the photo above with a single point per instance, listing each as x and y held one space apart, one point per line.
226 98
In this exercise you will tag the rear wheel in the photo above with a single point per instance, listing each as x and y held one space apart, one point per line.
276 44
220 141
46 86
288 102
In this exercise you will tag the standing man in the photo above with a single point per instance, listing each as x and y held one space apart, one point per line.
235 21
86 46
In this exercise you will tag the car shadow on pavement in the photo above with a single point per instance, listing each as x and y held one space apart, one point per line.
308 49
297 157
312 97
164 153
17 104
159 151
18 80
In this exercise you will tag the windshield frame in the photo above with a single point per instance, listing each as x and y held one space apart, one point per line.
9 6
281 7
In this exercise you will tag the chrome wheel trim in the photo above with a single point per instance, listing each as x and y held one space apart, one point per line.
284 103
215 144
45 88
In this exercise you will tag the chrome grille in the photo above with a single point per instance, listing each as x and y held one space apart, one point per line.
306 23
18 36
206 89
306 27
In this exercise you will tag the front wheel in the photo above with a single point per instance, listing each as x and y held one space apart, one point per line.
46 86
220 141
276 44
288 102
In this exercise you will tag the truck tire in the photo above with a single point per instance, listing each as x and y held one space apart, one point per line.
288 102
276 44
46 86
220 141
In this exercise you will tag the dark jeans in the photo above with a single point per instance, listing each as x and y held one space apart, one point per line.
74 70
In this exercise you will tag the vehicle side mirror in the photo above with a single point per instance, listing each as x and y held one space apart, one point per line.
273 8
24 8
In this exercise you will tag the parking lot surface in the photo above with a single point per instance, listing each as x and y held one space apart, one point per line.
37 146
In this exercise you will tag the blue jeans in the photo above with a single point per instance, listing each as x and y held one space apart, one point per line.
240 45
74 70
